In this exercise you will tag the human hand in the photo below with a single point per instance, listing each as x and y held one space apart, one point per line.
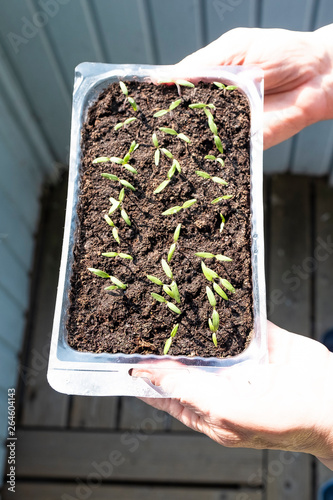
298 72
286 404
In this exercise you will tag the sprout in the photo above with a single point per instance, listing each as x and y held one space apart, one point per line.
130 99
126 122
173 308
205 175
224 87
176 209
166 269
114 229
220 292
169 340
99 273
227 285
170 305
218 143
171 131
171 251
118 283
177 233
167 153
172 106
207 255
201 105
222 223
220 198
214 158
210 296
123 182
162 186
183 83
155 280
214 339
209 274
120 161
116 254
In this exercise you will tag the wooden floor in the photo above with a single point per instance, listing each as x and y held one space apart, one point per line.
119 448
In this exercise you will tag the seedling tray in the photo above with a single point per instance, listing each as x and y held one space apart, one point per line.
87 373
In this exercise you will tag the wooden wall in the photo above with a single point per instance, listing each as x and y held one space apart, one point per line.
41 41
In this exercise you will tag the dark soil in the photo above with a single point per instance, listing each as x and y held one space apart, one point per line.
131 321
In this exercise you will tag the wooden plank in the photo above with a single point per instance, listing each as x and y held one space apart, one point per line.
12 321
26 58
289 294
58 491
132 456
94 412
14 280
41 404
288 476
181 16
8 367
223 16
137 415
274 14
110 20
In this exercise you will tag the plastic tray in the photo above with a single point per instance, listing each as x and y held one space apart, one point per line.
74 372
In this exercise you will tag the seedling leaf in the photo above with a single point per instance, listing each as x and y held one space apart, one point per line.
218 143
123 88
130 168
127 184
110 254
125 217
172 210
101 159
173 308
112 287
162 112
200 173
214 339
220 292
171 251
209 274
133 147
129 120
212 126
205 255
155 141
114 159
168 291
177 233
111 177
171 171
219 85
175 290
227 285
125 256
184 83
162 186
227 197
215 319
174 330
99 273
121 195
167 130
189 203
184 137
118 126
219 181
222 223
167 153
132 103
157 155
115 235
223 258
210 296
166 269
174 104
211 326
108 220
167 346
158 297
210 157
154 279
118 282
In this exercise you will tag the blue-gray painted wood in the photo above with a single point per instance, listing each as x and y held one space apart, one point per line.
12 322
8 362
225 15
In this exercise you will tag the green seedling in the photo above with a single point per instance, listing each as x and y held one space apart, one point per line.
225 87
117 205
205 175
176 209
174 244
220 198
169 340
116 254
215 320
102 274
129 98
124 123
172 106
115 233
123 182
183 83
201 105
222 223
174 167
170 305
214 158
172 289
211 276
207 255
213 129
120 161
157 154
171 131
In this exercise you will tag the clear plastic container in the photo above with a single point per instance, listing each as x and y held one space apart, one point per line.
83 373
